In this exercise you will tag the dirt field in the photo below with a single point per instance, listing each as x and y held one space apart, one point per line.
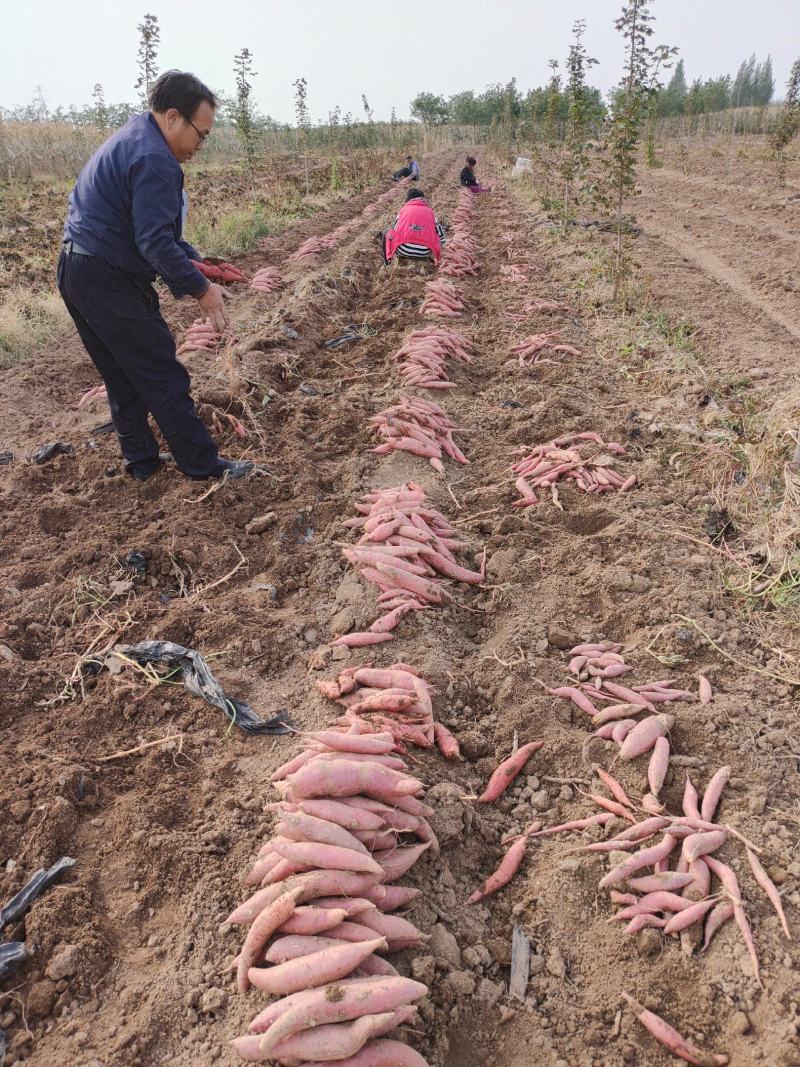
163 838
719 214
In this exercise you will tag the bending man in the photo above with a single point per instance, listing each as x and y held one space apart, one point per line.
123 228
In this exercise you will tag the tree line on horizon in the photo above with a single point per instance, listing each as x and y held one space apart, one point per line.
752 86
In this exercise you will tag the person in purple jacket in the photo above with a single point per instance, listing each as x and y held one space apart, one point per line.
124 227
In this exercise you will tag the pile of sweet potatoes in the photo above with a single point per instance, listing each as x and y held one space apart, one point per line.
466 205
267 280
538 306
418 426
395 699
459 257
677 901
312 248
390 194
351 822
219 270
530 348
630 716
406 550
308 253
442 300
335 237
680 900
561 459
423 357
514 273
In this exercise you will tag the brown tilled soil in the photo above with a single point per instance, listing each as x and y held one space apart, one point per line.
163 837
719 213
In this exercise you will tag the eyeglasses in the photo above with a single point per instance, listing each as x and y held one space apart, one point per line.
199 133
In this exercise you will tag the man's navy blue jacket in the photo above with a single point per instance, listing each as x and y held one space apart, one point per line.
126 208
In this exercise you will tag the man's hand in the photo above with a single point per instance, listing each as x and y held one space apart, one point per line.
212 304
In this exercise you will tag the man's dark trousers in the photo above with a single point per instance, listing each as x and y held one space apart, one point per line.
117 316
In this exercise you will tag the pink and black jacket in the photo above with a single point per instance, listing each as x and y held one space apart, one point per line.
415 225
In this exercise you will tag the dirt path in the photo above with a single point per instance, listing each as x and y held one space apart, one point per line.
162 839
720 272
721 248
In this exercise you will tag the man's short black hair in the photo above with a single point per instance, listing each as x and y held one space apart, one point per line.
183 91
409 159
471 161
414 194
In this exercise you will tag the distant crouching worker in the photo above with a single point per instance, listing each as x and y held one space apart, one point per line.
416 234
468 179
410 170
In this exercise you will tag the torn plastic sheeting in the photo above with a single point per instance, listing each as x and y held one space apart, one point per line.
199 680
345 339
135 561
34 888
6 457
54 448
12 955
104 427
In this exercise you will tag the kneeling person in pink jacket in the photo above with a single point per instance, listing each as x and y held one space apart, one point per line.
416 234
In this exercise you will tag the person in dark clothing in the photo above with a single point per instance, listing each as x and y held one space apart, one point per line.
469 181
123 228
410 170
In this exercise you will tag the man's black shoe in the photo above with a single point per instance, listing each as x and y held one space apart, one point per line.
231 468
141 474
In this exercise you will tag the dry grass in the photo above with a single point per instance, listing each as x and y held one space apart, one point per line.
758 482
29 321
766 504
755 486
35 149
773 458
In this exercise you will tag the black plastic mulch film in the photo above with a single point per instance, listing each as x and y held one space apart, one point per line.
199 680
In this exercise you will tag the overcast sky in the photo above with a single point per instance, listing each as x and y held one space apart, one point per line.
388 49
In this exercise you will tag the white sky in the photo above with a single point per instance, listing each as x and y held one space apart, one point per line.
388 49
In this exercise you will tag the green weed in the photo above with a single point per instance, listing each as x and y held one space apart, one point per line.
679 334
236 231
